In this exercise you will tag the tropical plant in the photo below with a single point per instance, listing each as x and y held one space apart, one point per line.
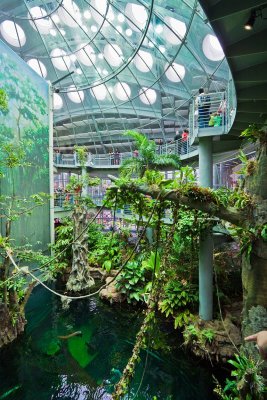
14 288
178 300
248 383
147 159
193 333
135 281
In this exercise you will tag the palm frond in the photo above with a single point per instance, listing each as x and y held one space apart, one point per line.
131 166
168 160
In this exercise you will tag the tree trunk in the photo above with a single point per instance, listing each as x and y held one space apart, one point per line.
79 279
12 324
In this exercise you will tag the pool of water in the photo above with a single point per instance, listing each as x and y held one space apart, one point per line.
40 366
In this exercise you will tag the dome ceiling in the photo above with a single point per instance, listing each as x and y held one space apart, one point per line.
116 65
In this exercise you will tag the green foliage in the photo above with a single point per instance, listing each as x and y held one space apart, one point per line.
147 158
178 299
193 333
135 279
81 153
107 251
3 100
254 133
248 380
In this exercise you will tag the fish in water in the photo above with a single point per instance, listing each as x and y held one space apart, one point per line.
3 396
78 333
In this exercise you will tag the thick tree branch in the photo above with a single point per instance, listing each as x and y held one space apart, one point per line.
235 216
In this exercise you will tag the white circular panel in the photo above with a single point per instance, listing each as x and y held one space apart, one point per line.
60 60
38 67
137 14
177 31
74 95
212 48
86 55
98 10
57 101
40 22
175 72
147 96
143 61
99 92
113 54
13 33
122 91
69 13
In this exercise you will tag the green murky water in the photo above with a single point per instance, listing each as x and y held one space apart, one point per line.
42 367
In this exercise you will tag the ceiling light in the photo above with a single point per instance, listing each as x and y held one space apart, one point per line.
251 21
87 14
79 71
159 28
118 29
73 57
121 17
63 33
100 56
129 32
93 28
53 32
162 49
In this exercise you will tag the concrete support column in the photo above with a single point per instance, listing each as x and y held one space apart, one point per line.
206 239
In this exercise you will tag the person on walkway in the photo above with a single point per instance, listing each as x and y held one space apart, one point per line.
117 157
111 156
203 106
135 153
185 137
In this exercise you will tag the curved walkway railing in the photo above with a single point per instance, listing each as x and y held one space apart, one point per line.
180 147
210 115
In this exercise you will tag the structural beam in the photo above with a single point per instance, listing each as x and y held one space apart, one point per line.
254 44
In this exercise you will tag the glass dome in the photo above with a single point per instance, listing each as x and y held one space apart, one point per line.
124 65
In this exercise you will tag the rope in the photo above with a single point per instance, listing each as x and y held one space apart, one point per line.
220 311
25 270
152 287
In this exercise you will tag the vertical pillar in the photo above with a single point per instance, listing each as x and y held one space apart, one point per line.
149 235
51 166
84 188
206 239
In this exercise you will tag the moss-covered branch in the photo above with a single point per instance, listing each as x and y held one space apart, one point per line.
196 198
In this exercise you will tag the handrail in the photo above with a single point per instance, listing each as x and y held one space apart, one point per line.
180 147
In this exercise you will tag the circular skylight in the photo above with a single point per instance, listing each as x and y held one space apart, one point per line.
69 13
86 55
98 10
122 91
212 48
40 21
143 61
60 60
175 72
99 92
113 54
137 14
13 33
38 67
75 96
57 101
177 31
147 96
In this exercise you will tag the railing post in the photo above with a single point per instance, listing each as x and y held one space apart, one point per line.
206 239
